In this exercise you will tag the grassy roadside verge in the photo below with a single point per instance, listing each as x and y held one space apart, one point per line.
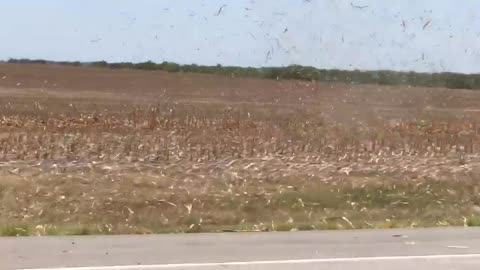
146 206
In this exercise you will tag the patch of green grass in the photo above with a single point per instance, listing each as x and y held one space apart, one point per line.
306 227
284 227
473 221
80 230
20 230
311 206
321 197
330 226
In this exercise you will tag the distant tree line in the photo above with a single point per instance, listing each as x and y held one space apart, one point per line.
382 77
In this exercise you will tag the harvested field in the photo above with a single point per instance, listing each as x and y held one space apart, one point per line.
87 150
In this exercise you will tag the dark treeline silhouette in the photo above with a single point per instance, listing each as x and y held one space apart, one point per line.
382 77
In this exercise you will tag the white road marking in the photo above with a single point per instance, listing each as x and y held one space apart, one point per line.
459 247
253 263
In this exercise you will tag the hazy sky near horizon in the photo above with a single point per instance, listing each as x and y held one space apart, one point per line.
427 35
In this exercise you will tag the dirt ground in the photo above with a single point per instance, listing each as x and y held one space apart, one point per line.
337 101
91 150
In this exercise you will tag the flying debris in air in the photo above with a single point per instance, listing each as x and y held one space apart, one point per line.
426 24
268 56
220 10
359 7
278 43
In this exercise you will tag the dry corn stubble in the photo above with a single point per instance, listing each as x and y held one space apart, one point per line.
191 168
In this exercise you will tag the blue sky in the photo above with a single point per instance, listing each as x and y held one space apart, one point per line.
427 35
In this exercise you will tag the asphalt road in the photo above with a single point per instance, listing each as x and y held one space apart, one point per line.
434 249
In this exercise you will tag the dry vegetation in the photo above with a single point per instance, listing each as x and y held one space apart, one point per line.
68 166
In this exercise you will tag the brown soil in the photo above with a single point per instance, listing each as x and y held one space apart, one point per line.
340 101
